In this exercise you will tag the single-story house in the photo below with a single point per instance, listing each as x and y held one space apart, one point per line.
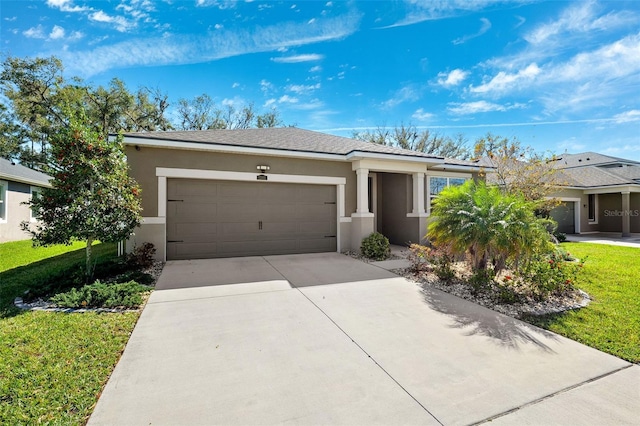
18 184
223 193
600 194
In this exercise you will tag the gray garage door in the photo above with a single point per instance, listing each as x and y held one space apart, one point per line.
564 214
207 219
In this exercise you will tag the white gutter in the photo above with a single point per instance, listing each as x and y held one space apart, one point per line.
28 181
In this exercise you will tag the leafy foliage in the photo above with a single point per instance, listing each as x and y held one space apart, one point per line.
92 196
102 295
423 257
488 225
141 256
375 246
550 274
519 170
40 98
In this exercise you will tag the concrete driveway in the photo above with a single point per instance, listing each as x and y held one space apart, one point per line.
325 339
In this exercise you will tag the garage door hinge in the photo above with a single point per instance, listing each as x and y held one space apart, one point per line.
329 202
175 241
329 236
180 201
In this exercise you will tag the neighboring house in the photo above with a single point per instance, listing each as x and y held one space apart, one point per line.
222 193
17 185
600 194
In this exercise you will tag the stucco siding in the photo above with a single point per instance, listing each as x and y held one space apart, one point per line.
15 212
397 201
635 213
608 204
143 164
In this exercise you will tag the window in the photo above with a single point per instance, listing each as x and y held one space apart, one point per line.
438 183
3 201
592 208
35 193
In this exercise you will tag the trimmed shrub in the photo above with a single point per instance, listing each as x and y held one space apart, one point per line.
142 256
101 295
375 247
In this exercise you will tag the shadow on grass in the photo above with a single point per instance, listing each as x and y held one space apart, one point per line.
50 275
477 320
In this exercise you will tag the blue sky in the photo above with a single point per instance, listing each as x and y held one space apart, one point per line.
557 75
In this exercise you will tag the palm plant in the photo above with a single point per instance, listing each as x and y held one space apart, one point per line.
488 225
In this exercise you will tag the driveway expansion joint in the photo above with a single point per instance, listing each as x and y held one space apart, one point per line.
552 395
361 348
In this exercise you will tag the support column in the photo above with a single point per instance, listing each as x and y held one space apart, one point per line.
362 186
362 221
418 193
626 214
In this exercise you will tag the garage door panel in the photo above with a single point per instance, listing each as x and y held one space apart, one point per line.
196 231
235 229
193 189
238 190
312 228
315 212
193 212
285 228
223 219
317 194
239 211
186 250
318 245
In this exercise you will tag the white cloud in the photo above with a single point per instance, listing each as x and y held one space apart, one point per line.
407 93
57 33
466 108
421 11
222 5
298 58
486 26
504 81
615 60
67 6
421 115
121 24
579 17
266 86
174 49
286 99
316 68
11 19
627 117
302 89
452 78
235 85
35 32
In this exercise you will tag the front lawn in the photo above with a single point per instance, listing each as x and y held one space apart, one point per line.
611 322
53 366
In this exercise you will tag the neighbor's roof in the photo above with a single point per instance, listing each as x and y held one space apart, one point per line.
19 173
286 139
590 170
583 159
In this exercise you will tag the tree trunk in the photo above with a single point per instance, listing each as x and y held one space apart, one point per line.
88 261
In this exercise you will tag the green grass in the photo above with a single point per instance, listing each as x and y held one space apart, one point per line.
23 267
611 322
53 366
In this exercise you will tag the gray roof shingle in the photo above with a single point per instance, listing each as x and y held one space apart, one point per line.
284 138
19 173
